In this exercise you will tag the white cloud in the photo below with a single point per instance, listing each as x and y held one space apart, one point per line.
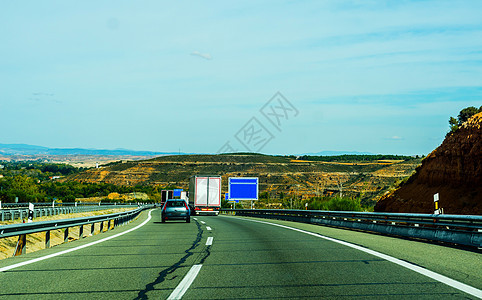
202 55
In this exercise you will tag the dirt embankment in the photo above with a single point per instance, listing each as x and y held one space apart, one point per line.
454 170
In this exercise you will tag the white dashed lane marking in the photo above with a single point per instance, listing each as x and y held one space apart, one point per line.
185 283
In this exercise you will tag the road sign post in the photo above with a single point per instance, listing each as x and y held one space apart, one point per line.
228 199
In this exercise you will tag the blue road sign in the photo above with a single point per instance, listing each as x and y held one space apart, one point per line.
226 197
243 188
177 193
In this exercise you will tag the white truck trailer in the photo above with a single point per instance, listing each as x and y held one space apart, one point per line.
205 194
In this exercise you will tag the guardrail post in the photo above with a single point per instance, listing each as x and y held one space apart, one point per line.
47 239
66 235
21 245
101 226
81 232
92 228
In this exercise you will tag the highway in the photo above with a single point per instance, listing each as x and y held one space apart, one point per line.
228 257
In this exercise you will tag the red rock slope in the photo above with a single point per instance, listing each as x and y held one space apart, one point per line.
454 170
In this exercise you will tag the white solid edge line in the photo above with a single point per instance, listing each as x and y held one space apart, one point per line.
74 249
185 283
208 228
209 242
441 278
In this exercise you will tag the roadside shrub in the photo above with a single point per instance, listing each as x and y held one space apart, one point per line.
342 204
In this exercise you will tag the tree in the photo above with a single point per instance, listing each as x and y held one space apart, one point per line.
24 188
466 113
463 116
454 124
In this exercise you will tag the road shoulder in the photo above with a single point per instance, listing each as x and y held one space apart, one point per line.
455 263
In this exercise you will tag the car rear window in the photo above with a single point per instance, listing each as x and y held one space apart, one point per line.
175 204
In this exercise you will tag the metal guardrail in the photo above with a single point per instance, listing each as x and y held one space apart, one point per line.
21 213
454 229
21 230
61 204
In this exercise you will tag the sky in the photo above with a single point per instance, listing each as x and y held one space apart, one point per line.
276 77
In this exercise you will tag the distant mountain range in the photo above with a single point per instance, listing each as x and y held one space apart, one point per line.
24 149
335 153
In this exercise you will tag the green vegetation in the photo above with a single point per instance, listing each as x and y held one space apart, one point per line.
32 182
354 158
463 116
341 204
37 170
333 203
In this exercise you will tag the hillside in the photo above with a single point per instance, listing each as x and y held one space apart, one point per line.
278 174
454 170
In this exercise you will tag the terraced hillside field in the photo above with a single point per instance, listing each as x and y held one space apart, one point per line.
278 175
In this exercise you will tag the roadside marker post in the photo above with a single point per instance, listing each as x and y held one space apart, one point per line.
437 209
30 212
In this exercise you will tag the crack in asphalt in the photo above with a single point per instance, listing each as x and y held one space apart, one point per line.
189 252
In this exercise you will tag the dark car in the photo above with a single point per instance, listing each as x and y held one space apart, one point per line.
176 209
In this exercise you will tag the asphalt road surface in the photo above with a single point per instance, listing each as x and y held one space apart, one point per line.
228 257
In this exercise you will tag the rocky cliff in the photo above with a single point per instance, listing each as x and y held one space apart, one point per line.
454 170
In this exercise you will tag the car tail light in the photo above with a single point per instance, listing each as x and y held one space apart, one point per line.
185 204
